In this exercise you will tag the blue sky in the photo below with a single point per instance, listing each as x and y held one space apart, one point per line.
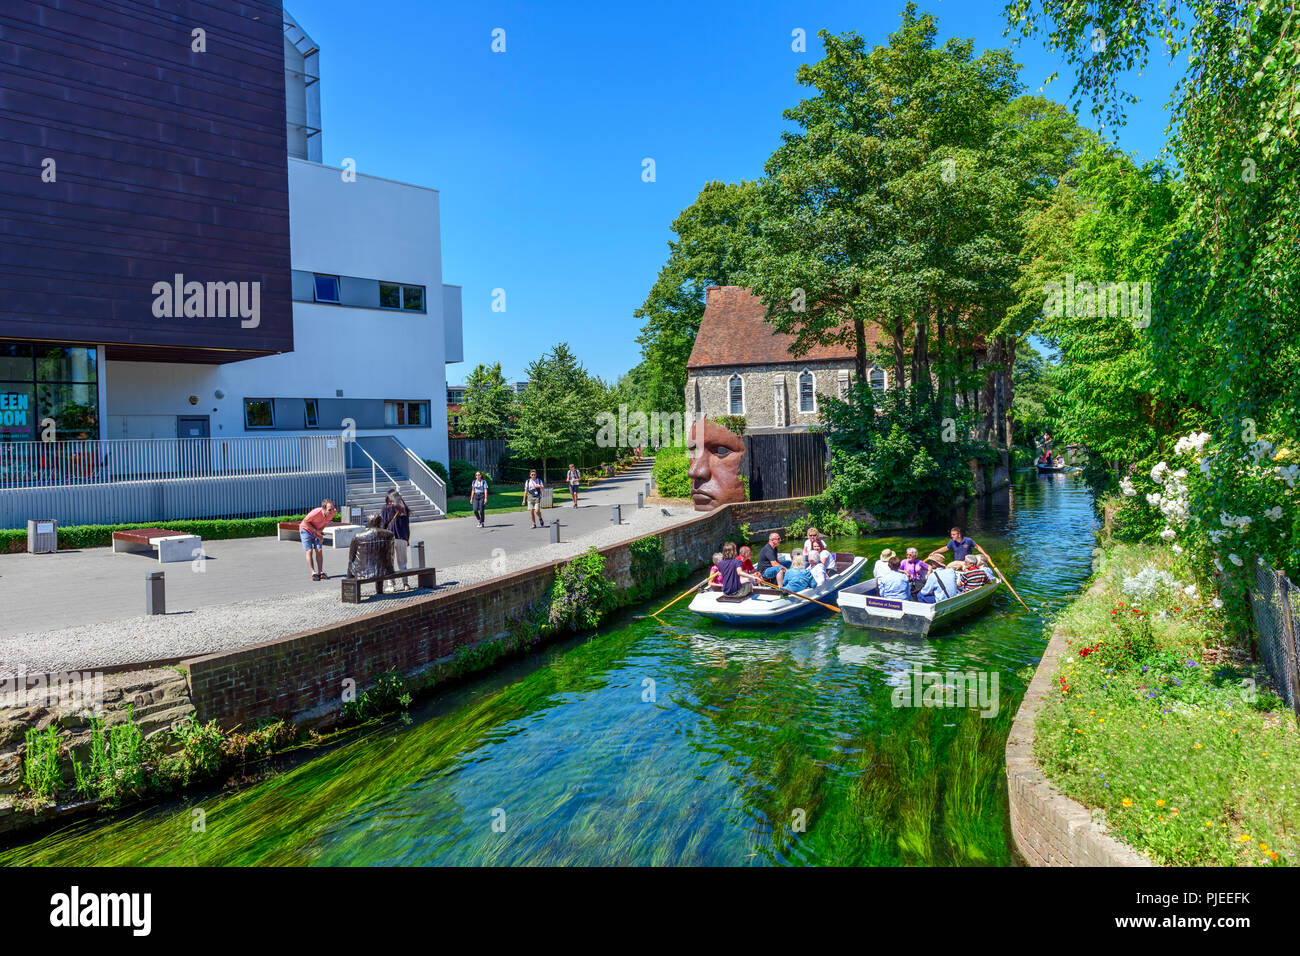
537 152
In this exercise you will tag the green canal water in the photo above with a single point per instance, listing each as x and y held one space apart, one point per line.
685 743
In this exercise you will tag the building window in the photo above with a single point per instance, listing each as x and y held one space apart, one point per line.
877 378
736 393
455 396
259 413
309 416
395 296
327 288
48 381
807 392
399 414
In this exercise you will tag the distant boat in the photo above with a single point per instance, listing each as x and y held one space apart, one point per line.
863 606
769 606
1049 469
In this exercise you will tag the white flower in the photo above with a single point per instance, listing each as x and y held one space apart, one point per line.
1158 473
1126 486
1289 474
1205 467
1069 660
1235 560
1193 442
1218 565
1274 513
1153 500
1177 550
1260 450
1190 590
1168 534
1217 603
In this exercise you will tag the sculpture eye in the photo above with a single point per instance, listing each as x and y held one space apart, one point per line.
721 451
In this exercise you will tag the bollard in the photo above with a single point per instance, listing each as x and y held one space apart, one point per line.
555 532
616 514
647 489
640 500
155 593
418 553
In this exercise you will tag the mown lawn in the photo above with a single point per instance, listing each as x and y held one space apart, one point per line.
1167 730
503 498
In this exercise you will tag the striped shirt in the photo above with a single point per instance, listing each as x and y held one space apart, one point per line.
974 578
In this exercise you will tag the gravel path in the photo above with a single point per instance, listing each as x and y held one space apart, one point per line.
209 629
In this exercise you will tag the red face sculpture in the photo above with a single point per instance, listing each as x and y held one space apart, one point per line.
716 457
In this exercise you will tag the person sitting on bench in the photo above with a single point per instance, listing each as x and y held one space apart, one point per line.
370 554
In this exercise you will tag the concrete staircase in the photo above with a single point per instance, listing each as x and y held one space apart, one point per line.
361 496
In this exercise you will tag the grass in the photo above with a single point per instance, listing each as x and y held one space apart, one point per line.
505 498
1166 729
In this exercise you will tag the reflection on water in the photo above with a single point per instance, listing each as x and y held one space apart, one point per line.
684 743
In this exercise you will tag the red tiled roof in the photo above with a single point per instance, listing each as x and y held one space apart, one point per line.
734 331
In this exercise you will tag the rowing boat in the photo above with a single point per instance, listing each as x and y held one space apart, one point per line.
1049 469
864 607
769 606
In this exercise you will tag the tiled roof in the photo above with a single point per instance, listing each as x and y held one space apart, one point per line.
734 331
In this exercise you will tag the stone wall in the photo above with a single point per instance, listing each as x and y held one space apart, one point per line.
761 390
1048 827
302 677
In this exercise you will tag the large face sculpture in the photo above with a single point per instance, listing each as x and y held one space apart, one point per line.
716 457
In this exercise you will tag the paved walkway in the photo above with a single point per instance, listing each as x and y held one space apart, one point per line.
75 589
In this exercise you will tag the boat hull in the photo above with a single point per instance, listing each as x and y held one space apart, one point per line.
774 608
863 607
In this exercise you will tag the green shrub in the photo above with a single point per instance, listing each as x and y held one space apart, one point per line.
388 693
824 515
41 763
462 476
581 593
439 469
201 749
736 424
670 472
76 537
117 761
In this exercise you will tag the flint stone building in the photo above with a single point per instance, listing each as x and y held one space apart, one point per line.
741 365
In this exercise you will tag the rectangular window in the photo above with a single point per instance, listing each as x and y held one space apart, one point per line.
406 414
390 296
877 378
807 402
413 298
65 364
737 397
259 413
310 413
327 288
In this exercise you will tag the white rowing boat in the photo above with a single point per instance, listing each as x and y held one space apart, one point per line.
864 607
769 606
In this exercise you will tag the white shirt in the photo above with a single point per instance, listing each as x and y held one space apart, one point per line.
818 572
882 567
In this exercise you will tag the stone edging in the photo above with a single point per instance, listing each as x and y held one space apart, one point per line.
1049 828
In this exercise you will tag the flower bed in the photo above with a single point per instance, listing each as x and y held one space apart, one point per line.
1165 727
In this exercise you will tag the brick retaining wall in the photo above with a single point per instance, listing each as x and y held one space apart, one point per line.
302 676
1049 828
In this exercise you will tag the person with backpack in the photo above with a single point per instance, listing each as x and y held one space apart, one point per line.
573 478
533 498
478 492
396 518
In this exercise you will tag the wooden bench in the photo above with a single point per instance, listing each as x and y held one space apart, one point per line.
170 545
338 535
424 578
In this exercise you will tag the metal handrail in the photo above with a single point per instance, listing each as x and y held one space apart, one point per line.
428 473
374 484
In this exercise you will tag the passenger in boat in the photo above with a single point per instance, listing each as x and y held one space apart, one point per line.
816 552
893 583
713 571
975 576
883 564
746 560
915 569
942 583
735 582
769 562
818 571
798 578
959 544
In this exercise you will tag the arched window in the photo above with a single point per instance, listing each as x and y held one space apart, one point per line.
878 379
807 392
736 393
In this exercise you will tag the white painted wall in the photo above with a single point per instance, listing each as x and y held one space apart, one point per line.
371 228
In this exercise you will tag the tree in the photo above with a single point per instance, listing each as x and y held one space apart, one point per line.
556 415
709 250
489 404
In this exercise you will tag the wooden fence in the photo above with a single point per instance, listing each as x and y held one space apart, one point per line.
483 453
785 464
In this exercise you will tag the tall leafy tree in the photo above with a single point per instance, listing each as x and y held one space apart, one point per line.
556 416
489 404
709 249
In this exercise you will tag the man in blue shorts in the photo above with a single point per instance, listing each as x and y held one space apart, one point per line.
769 562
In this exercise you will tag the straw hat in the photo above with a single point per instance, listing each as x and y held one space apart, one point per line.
887 554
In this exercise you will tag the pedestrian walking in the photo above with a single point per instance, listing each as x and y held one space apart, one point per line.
533 498
396 517
478 497
574 477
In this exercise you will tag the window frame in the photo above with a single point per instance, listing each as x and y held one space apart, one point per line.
270 405
310 413
738 379
315 288
884 379
812 391
406 403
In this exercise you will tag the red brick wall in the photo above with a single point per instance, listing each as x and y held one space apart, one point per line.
303 675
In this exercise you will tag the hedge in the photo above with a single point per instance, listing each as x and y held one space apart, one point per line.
14 540
671 465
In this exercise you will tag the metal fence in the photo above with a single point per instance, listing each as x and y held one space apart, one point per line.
1276 605
156 479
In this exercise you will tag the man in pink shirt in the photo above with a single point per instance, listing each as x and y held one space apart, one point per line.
311 529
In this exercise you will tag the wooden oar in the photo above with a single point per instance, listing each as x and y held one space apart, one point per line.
1003 577
693 587
801 597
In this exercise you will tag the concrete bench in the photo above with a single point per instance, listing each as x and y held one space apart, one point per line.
424 578
170 545
336 535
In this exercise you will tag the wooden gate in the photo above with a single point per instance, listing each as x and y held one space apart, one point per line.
785 464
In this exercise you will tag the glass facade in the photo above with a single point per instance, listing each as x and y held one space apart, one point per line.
58 382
